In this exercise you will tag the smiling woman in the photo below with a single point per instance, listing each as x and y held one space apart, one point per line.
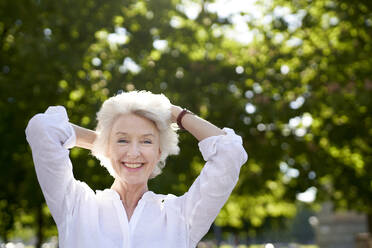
134 135
134 149
153 107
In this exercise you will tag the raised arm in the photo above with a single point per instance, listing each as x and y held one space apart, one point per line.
84 137
50 136
224 155
198 127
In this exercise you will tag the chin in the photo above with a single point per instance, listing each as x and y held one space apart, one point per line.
131 179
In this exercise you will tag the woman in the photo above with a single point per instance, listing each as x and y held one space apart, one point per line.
133 138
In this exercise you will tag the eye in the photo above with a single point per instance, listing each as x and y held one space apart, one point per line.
147 142
122 141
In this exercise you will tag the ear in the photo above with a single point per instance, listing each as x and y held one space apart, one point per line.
108 143
159 154
107 152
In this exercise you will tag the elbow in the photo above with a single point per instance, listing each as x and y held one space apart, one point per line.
236 154
35 126
38 130
244 155
240 153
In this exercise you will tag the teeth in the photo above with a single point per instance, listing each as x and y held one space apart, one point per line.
133 165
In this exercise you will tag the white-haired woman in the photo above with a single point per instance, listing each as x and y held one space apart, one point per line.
134 136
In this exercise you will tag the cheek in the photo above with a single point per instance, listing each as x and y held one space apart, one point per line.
151 154
115 152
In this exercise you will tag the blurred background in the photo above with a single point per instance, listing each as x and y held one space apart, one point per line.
293 78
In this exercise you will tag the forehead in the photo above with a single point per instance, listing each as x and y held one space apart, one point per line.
134 124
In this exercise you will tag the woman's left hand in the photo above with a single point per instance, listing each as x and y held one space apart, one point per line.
195 125
175 111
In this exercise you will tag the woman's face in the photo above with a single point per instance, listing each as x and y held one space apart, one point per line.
134 148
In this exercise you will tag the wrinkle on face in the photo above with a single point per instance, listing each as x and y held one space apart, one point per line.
134 138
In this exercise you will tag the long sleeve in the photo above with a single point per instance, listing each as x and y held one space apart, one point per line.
224 156
50 135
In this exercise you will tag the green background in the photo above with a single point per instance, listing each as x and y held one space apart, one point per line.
59 53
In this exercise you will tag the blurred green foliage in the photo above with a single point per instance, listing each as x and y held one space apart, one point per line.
299 94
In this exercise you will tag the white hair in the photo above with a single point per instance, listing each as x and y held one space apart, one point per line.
155 107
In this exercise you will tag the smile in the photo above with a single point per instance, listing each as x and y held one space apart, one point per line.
132 165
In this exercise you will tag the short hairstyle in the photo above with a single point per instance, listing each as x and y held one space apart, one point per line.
155 107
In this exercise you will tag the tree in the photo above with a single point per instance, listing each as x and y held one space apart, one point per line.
42 45
298 94
316 92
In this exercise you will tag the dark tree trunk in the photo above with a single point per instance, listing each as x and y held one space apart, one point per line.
39 217
5 238
218 234
7 223
369 222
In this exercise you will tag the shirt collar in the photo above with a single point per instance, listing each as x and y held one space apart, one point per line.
112 194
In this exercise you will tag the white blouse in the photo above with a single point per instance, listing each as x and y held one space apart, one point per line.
91 219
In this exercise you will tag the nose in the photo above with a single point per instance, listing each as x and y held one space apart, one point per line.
133 150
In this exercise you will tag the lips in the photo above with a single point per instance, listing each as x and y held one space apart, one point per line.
132 165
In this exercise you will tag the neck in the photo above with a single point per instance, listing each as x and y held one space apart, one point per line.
130 194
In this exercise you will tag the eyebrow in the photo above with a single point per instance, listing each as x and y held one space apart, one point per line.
144 135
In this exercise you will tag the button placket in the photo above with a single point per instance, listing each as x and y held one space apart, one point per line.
123 220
